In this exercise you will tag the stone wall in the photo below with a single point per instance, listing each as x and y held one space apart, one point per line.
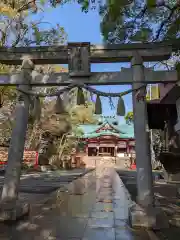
119 162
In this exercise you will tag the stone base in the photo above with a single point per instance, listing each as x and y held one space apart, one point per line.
9 213
170 178
153 218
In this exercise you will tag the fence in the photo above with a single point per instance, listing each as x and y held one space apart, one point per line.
30 158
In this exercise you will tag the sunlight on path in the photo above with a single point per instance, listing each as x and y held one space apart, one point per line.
95 206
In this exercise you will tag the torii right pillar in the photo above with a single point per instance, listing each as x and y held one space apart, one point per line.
144 214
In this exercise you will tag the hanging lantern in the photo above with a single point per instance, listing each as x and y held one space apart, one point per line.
121 111
59 106
36 113
80 97
98 106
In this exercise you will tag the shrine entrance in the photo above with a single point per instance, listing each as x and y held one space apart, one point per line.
103 151
107 151
92 151
79 57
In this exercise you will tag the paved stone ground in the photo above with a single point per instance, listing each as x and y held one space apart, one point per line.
36 186
94 207
168 201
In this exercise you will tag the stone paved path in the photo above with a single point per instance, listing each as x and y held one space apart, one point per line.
94 207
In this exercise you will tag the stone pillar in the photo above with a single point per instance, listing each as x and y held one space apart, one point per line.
10 210
97 150
86 149
115 151
144 214
73 161
177 126
143 158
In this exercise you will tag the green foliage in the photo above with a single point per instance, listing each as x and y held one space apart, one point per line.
150 3
129 21
126 21
17 30
141 35
85 5
129 118
82 114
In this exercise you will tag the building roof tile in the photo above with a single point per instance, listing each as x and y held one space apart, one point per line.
119 130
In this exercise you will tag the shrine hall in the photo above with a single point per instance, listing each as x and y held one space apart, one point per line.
107 138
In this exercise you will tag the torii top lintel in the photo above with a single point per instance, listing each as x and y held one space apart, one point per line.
98 53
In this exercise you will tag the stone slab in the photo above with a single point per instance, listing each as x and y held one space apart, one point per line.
99 233
10 213
153 218
66 215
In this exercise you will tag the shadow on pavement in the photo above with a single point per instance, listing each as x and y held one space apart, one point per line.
44 183
168 201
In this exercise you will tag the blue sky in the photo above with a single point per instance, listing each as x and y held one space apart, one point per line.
82 27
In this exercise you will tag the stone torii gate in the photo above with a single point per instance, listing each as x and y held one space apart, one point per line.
79 56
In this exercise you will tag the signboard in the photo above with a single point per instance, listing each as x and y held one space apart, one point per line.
106 145
132 143
92 145
122 144
153 92
132 151
30 158
93 140
106 137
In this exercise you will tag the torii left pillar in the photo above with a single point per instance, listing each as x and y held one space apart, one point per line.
10 209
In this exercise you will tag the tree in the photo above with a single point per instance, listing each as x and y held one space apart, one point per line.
60 131
83 114
129 21
125 21
129 118
140 20
68 143
16 30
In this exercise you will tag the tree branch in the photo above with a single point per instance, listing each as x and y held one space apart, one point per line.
143 12
28 5
158 5
165 22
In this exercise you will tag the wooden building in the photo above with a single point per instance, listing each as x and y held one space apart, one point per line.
108 138
164 114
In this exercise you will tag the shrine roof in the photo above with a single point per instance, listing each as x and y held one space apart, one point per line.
109 129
